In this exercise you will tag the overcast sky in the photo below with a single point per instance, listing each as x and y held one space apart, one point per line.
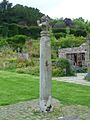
59 8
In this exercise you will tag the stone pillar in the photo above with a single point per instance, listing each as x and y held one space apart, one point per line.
45 72
45 66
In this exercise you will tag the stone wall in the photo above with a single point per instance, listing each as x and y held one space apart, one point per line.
75 50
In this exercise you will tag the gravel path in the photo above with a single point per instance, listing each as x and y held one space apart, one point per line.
30 111
78 79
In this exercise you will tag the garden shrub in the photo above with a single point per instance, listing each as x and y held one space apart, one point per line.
81 69
35 49
57 72
34 31
63 67
59 30
10 67
3 42
59 35
29 70
14 63
12 60
18 41
11 64
24 63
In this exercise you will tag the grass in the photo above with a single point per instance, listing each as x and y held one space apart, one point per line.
16 87
69 93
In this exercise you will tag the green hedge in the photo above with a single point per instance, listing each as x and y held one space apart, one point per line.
29 70
57 72
62 67
81 69
10 30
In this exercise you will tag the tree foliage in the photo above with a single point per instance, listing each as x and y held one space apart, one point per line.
18 19
22 20
71 41
18 41
77 27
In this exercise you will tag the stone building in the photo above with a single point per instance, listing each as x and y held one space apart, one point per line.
76 55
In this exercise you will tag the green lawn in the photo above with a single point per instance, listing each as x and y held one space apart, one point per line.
20 87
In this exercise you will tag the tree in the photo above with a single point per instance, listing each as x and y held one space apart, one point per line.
5 5
71 41
18 41
68 22
59 24
26 16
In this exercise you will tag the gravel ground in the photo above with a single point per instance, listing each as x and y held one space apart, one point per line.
29 110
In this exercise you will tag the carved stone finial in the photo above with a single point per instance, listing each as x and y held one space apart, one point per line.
44 23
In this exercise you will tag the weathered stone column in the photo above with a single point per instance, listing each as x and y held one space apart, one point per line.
88 56
45 72
45 67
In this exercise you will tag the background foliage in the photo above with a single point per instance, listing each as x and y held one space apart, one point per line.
18 25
